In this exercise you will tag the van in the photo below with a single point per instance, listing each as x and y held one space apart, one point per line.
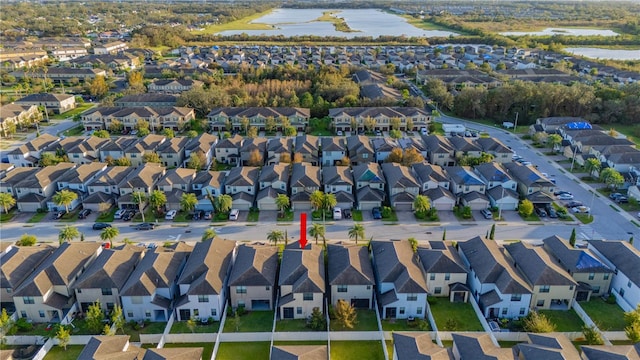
487 214
233 214
171 215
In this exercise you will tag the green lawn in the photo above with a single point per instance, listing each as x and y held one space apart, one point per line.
349 350
253 216
292 325
222 167
149 216
356 215
243 351
509 344
58 353
392 216
366 322
149 328
107 216
206 352
244 23
288 216
80 328
182 216
320 127
80 108
446 313
403 325
532 217
608 317
584 218
71 216
39 329
253 321
565 321
180 327
7 217
74 131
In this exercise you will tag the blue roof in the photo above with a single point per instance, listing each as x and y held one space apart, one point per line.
586 261
578 125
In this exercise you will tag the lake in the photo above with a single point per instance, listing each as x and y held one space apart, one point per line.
563 31
613 54
364 22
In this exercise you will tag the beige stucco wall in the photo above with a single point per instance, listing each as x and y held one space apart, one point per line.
91 295
598 280
564 292
253 293
353 292
442 283
307 306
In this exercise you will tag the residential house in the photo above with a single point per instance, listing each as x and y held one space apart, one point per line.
115 148
203 283
241 183
172 151
337 180
258 117
252 283
370 185
333 150
360 149
444 271
531 183
110 347
305 179
350 275
439 150
14 116
478 346
142 179
144 146
46 295
415 144
496 285
151 100
103 280
307 147
402 185
417 345
552 287
12 178
299 352
203 144
468 187
400 285
624 259
174 183
106 185
253 151
53 103
501 153
464 147
277 148
28 154
430 176
17 264
79 177
208 185
273 181
110 48
32 193
149 291
228 150
173 86
361 118
383 147
87 151
605 352
158 117
60 148
546 346
593 276
301 281
5 168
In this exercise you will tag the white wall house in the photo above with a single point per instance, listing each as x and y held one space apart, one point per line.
625 260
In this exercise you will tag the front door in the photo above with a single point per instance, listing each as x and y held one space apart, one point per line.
390 313
287 313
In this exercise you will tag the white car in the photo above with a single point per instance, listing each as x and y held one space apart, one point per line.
119 213
565 197
171 215
581 209
337 214
339 133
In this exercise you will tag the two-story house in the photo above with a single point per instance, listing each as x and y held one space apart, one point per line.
28 154
204 144
439 150
477 346
174 183
369 185
144 146
382 148
143 179
333 150
592 275
53 103
87 151
32 193
105 277
308 147
47 293
208 185
203 283
241 183
149 291
402 186
400 285
14 177
417 345
115 148
468 187
337 180
552 287
228 150
624 259
496 285
434 184
444 271
277 149
501 187
62 147
272 182
305 179
252 283
301 281
531 183
464 147
80 177
360 149
172 151
350 275
17 264
173 86
103 190
253 151
501 153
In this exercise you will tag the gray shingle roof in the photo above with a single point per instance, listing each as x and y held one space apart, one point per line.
537 266
19 262
441 260
572 259
336 175
299 352
396 263
349 265
479 347
617 352
418 346
399 176
624 256
303 269
207 267
255 265
305 175
111 269
551 346
115 347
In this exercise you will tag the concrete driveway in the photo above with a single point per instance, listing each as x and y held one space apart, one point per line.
269 216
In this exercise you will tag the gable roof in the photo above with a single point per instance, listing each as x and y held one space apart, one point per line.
622 255
396 263
19 262
574 260
207 267
429 172
210 178
45 176
111 269
38 144
399 176
304 175
234 142
349 265
358 144
332 144
279 145
242 176
82 173
336 175
479 347
303 269
255 265
368 172
114 347
299 352
536 265
177 176
552 346
527 175
417 346
492 171
274 172
616 352
442 259
112 176
185 353
306 144
143 176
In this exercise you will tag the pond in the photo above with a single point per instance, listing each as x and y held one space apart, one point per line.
363 22
599 53
563 31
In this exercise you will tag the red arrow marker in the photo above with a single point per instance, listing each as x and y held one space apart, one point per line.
303 230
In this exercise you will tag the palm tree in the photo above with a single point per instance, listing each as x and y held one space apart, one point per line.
592 165
317 199
65 198
109 233
316 231
157 199
209 234
7 201
139 198
356 232
188 202
328 203
68 233
224 203
282 202
274 236
422 204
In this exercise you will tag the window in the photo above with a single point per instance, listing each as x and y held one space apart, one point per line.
419 310
129 314
447 276
307 296
368 287
147 314
437 290
432 276
214 312
28 300
540 303
522 310
505 311
365 156
241 304
196 312
136 299
41 313
570 287
241 289
591 276
9 290
621 292
299 310
107 291
203 298
268 288
629 283
596 289
544 288
342 288
605 277
402 311
23 314
110 306
412 297
516 297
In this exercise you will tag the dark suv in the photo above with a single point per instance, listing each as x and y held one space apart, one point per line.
376 213
84 213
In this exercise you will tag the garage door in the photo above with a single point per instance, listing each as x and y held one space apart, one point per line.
364 205
403 207
344 205
260 304
267 206
302 205
241 206
478 205
443 206
360 303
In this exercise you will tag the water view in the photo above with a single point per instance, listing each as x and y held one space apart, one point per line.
613 54
563 31
364 22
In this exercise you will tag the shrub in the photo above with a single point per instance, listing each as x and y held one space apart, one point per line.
241 310
386 211
611 299
450 325
23 325
538 323
466 212
592 336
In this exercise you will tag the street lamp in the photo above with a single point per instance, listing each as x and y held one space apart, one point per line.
500 204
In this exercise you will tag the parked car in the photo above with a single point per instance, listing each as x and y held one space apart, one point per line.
552 213
423 131
581 209
145 226
573 204
377 213
152 246
346 213
559 192
119 214
614 196
486 213
100 226
128 215
84 213
541 212
339 133
208 215
494 326
565 197
337 213
57 215
378 133
233 214
171 214
622 199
